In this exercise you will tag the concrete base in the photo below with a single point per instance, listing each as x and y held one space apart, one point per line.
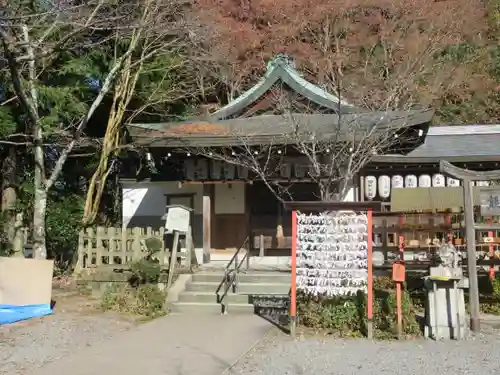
445 315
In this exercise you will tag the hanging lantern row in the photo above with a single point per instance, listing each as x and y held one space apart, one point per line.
203 169
384 184
235 153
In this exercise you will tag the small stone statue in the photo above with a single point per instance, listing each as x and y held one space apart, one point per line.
448 256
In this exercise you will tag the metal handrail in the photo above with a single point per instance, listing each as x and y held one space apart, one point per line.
231 279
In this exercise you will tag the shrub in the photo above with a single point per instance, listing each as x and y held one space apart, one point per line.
147 300
346 316
492 304
141 295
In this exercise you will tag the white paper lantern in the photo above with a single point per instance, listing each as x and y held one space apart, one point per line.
189 169
384 186
242 172
228 170
301 168
215 169
424 181
411 181
285 170
452 182
438 180
397 181
201 170
370 187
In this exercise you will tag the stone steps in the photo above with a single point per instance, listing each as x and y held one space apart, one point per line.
210 308
260 277
200 296
210 297
243 288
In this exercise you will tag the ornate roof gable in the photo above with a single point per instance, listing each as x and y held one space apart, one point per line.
282 69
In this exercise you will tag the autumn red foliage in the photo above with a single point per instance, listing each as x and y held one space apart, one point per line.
385 52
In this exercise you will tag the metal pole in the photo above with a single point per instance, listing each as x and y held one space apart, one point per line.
471 256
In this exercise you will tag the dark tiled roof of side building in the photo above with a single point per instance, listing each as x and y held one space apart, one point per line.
454 143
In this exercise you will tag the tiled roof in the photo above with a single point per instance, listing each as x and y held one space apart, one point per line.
270 129
454 143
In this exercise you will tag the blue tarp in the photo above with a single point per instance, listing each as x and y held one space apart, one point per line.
11 314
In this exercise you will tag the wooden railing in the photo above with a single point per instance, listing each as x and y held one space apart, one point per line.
116 246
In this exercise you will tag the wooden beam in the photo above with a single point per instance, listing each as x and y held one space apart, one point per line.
487 227
464 174
207 244
314 206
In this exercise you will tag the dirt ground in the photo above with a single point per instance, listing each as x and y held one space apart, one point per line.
77 322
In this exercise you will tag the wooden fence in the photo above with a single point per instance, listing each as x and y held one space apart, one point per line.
117 247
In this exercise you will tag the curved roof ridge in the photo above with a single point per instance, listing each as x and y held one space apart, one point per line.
282 68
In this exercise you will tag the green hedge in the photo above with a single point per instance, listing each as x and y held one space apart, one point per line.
346 316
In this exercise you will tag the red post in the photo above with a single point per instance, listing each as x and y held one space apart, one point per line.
369 307
399 282
492 255
293 281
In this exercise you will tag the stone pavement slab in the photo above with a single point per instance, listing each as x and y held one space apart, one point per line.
172 345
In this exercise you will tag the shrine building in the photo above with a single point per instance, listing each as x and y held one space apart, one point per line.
231 203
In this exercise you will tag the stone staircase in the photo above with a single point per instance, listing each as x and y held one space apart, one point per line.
256 289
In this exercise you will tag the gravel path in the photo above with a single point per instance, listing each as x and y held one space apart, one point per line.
278 354
74 325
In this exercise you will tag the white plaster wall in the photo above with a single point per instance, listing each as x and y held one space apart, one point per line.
350 195
149 199
229 199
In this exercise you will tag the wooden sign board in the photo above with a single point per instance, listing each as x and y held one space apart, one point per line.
177 218
490 201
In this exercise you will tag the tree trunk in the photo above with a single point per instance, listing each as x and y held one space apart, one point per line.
40 204
9 197
39 211
325 189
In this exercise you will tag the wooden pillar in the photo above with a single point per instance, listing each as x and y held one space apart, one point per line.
361 188
280 236
207 215
248 213
470 231
468 176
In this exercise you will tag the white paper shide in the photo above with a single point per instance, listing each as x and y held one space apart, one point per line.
332 253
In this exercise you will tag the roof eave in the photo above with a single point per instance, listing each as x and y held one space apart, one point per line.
402 159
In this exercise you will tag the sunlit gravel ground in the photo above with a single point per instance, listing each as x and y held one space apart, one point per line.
279 355
75 324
